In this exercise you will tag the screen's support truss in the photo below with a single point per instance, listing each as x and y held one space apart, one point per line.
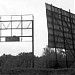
57 20
29 19
10 22
70 31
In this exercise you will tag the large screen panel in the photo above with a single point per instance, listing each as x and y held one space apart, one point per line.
61 28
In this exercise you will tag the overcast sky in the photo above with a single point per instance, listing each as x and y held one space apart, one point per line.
37 8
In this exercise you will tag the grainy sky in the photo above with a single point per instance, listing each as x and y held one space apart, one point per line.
37 8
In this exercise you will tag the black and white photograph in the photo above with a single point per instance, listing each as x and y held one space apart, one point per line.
37 37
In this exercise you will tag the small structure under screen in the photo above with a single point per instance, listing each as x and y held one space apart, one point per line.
13 38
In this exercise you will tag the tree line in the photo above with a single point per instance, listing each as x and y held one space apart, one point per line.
49 59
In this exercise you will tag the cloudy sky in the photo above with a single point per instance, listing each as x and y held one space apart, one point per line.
37 8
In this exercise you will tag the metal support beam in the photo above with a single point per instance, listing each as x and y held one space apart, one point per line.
11 25
64 39
33 42
56 65
71 22
0 29
21 28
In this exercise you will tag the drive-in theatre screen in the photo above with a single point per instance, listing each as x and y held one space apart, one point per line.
61 28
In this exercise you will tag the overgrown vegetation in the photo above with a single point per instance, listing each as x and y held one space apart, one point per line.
47 60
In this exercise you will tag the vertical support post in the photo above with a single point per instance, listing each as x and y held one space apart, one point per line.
56 64
0 29
64 39
21 28
11 26
33 42
72 32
